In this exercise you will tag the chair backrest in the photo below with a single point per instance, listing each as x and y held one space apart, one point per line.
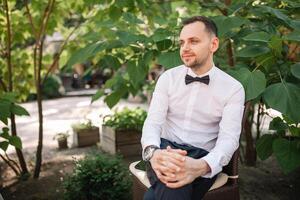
232 168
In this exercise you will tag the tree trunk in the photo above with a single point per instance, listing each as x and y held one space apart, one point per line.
18 151
250 154
229 43
37 62
38 162
10 89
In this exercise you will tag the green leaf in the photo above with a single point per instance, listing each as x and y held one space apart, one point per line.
267 60
228 24
18 110
131 19
5 110
9 96
4 145
293 36
287 154
148 57
4 120
284 97
15 141
113 44
161 34
295 131
258 37
169 59
277 13
115 13
276 45
278 124
109 61
83 54
127 37
264 146
254 83
136 73
164 44
112 99
295 70
252 51
117 79
98 94
5 133
295 24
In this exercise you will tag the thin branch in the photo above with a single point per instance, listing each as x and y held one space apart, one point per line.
40 37
230 53
42 23
48 11
8 45
34 61
258 118
2 50
14 162
291 55
3 85
60 52
30 19
45 19
10 165
40 59
224 12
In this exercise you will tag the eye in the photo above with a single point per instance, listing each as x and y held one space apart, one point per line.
194 41
181 43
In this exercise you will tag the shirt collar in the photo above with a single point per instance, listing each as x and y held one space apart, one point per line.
211 72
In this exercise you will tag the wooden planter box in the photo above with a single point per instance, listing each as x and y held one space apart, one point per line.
125 142
62 143
86 137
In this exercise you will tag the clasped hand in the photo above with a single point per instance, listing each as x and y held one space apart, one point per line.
175 169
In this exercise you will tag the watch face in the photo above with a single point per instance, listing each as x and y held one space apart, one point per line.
148 153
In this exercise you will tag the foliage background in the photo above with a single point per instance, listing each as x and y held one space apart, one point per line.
259 47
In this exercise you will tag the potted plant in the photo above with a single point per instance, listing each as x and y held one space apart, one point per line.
62 139
121 132
85 134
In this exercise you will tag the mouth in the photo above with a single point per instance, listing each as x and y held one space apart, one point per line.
187 56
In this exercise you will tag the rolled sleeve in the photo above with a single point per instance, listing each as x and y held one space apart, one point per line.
229 133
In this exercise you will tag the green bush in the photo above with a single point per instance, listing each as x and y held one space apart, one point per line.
51 87
100 177
83 126
126 119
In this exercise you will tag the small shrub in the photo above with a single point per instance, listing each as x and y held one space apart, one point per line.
61 136
100 177
51 87
83 125
126 119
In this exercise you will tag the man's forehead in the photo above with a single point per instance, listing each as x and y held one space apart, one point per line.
196 29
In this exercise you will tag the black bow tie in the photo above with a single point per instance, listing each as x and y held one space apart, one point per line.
189 79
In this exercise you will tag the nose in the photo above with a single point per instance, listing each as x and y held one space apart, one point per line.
185 46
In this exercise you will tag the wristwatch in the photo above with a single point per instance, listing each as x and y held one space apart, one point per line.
148 152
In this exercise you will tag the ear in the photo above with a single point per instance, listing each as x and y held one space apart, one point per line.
214 44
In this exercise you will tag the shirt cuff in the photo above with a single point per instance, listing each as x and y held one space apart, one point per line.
212 161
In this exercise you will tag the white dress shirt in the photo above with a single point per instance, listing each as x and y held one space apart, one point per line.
204 116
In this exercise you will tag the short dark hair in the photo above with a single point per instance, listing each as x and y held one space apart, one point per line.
210 25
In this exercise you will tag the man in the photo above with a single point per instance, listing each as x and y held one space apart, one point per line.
194 120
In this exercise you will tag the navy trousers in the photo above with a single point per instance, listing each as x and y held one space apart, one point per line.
193 191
